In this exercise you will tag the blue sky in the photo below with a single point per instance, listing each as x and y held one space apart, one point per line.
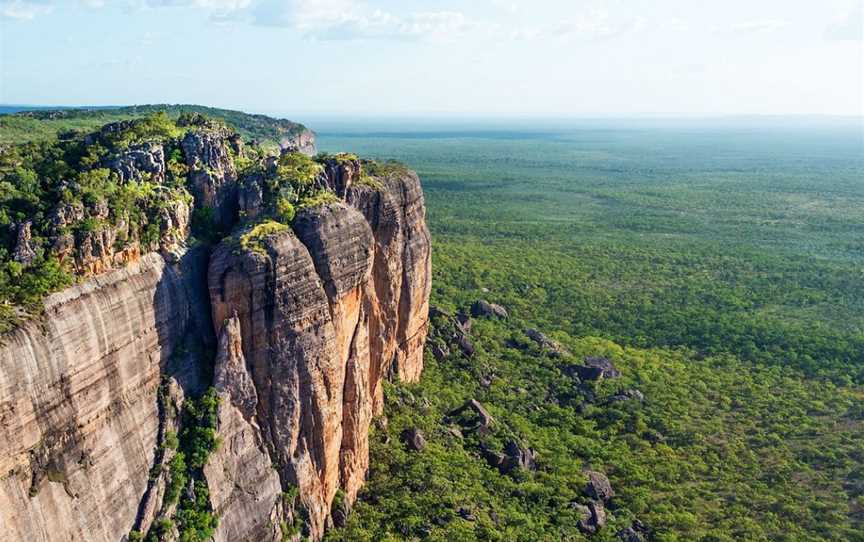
483 57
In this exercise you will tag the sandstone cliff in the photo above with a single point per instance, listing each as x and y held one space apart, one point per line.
296 332
78 409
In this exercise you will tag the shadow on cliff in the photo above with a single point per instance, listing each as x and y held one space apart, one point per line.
188 350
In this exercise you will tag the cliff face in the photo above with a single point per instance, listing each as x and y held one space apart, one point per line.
306 323
79 410
323 314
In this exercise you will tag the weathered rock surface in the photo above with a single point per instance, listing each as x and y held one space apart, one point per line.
245 490
24 251
308 327
515 456
401 279
340 174
324 314
637 532
414 439
484 308
212 175
140 162
551 346
78 402
593 517
481 421
303 142
595 368
598 486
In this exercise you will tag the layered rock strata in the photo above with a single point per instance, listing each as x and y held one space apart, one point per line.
78 401
325 312
309 323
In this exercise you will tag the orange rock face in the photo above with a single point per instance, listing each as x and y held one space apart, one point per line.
305 331
326 312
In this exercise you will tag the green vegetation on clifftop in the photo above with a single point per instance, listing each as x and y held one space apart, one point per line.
44 124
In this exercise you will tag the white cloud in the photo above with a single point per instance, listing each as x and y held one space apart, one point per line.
506 6
214 5
24 9
849 27
592 25
758 26
348 19
362 20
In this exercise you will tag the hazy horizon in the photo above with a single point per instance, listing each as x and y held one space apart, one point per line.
458 117
485 58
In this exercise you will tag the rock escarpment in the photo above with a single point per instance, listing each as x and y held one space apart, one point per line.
295 330
79 411
324 313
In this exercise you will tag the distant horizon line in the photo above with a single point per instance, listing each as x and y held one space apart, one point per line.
456 115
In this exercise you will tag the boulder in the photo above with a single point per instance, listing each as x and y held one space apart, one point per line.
485 420
414 439
627 395
552 347
520 456
466 514
486 309
440 351
637 532
465 345
595 368
463 322
598 486
593 517
24 253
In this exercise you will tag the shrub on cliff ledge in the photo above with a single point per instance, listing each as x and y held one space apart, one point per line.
251 240
298 169
388 168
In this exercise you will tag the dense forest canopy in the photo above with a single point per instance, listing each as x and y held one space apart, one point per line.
717 268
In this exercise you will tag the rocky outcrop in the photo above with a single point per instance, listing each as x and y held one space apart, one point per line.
340 173
481 421
212 176
552 347
514 457
399 299
598 486
310 321
24 252
321 325
638 532
592 517
303 141
414 439
595 368
96 238
484 308
140 162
